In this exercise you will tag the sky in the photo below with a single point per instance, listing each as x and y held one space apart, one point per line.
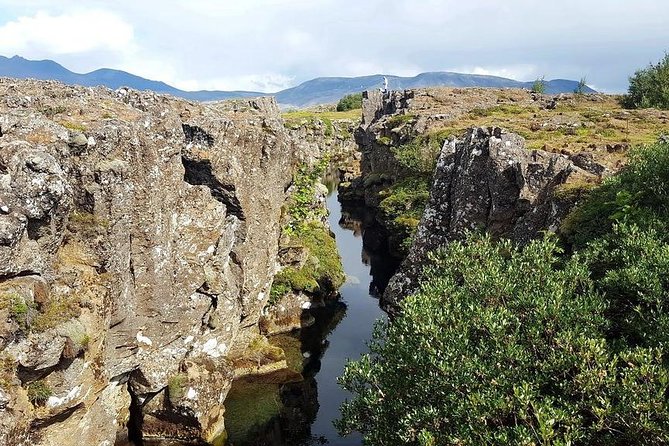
269 45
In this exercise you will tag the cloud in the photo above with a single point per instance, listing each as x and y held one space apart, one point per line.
269 44
70 33
521 72
266 83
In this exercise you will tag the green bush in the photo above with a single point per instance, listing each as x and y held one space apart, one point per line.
402 206
630 267
539 85
505 346
639 194
649 87
39 392
350 102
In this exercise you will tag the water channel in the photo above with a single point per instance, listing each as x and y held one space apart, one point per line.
343 327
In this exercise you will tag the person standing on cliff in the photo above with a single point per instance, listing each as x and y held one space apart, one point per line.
385 84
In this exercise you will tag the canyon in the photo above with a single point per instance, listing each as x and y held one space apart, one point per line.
141 237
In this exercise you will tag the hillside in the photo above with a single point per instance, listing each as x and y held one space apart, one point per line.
316 91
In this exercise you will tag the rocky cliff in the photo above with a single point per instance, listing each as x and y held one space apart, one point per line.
436 163
138 241
487 181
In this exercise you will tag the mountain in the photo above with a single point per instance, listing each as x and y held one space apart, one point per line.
322 90
19 67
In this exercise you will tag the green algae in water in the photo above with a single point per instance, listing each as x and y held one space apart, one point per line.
249 407
291 346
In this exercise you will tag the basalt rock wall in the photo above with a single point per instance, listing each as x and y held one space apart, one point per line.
138 241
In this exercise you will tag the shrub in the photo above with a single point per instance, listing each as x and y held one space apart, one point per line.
639 194
649 87
539 85
580 88
505 346
350 102
39 392
630 267
419 156
402 206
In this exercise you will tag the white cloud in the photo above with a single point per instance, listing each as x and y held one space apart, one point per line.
521 72
71 33
266 83
268 44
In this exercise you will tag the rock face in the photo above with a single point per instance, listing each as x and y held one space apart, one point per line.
487 181
138 240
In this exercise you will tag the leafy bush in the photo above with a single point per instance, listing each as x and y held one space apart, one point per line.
39 392
539 86
505 346
630 267
402 206
639 194
417 157
649 87
350 102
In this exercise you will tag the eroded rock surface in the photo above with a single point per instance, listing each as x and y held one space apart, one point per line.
486 181
138 239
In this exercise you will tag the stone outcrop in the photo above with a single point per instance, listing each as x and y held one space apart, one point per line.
138 241
486 181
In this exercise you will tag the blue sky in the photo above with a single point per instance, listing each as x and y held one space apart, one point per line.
267 45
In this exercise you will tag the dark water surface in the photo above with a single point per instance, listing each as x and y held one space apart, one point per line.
348 339
301 414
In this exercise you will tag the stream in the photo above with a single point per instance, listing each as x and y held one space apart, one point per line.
302 413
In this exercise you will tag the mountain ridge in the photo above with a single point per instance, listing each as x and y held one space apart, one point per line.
321 90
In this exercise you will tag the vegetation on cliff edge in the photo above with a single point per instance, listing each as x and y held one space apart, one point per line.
322 272
508 345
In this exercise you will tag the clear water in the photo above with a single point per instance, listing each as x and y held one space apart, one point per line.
348 339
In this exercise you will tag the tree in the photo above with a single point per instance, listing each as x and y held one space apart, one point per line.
580 88
539 85
350 102
649 87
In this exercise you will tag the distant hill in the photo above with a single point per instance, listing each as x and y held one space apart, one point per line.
322 90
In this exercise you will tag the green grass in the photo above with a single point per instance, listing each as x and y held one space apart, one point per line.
39 392
54 312
73 126
18 309
297 118
398 120
602 122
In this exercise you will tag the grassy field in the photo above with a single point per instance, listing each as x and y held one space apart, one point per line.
578 124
